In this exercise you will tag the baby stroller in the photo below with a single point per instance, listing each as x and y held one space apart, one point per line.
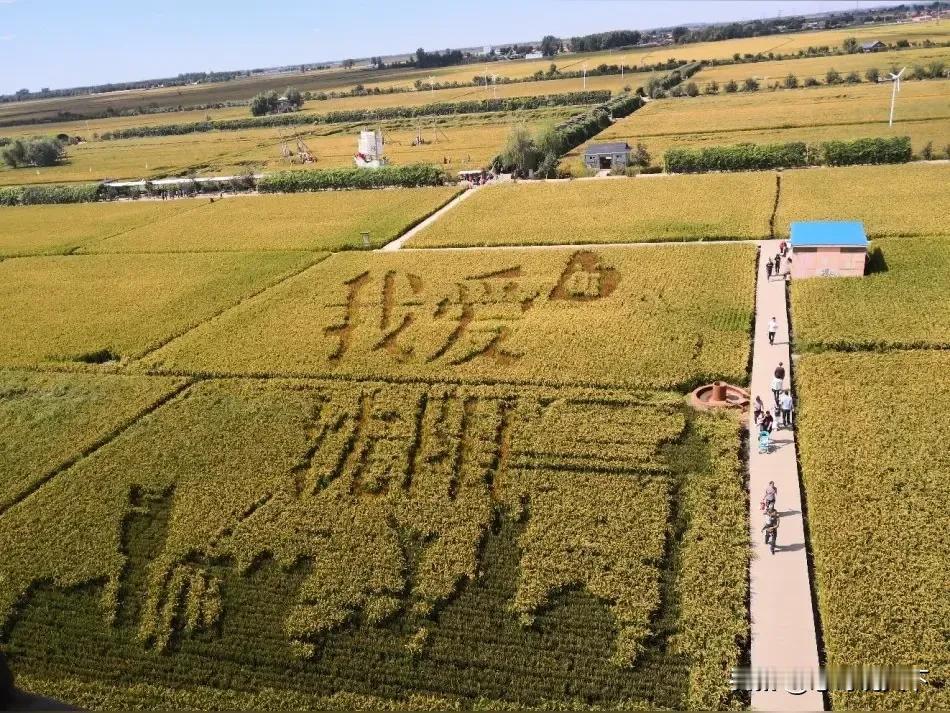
765 442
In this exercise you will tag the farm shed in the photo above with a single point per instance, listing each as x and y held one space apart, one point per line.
828 248
875 46
598 156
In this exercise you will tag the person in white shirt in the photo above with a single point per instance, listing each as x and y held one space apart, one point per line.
773 328
785 404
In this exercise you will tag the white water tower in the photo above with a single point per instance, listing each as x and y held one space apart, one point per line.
370 150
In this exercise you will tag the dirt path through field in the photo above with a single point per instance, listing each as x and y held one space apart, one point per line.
784 636
398 242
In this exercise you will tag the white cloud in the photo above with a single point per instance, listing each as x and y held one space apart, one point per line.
6 38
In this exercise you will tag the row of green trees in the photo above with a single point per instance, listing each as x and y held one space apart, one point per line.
411 176
473 106
49 194
750 157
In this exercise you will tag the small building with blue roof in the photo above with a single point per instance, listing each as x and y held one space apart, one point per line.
828 248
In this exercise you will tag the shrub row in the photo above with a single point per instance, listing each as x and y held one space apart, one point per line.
896 149
419 174
743 157
746 157
474 106
579 129
37 195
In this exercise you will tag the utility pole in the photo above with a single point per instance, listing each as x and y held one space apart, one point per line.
585 76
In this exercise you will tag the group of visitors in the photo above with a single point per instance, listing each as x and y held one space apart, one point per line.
778 414
782 409
781 264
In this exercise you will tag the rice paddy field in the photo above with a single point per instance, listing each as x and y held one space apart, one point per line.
311 221
769 73
901 305
873 395
433 492
621 210
30 230
455 142
905 200
247 464
815 114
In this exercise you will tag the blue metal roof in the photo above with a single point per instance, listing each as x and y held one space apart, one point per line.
839 233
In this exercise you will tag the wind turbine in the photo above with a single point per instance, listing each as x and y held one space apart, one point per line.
896 81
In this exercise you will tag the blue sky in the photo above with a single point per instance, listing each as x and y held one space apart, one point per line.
62 43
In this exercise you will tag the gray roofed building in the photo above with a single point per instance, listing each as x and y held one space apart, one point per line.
611 155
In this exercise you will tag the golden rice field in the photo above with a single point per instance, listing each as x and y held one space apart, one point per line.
29 230
473 539
455 142
901 305
320 221
308 221
621 210
769 73
911 199
78 307
91 129
818 106
812 114
67 415
474 315
217 153
875 472
495 524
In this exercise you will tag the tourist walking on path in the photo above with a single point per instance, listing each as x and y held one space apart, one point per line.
768 269
776 264
785 403
768 500
770 528
766 422
757 409
778 382
773 328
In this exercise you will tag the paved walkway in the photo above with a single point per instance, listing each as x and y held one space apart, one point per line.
783 624
398 242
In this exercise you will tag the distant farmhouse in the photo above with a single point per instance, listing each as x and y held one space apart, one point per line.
601 156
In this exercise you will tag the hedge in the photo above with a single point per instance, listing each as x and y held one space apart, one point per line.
743 157
475 106
419 174
750 157
896 149
39 195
